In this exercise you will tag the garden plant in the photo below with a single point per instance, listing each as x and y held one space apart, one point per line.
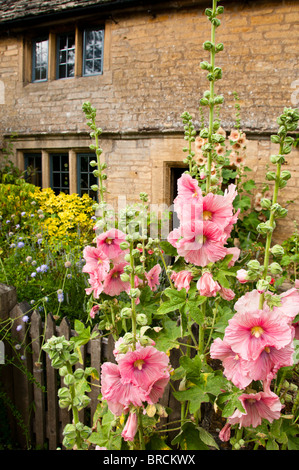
198 295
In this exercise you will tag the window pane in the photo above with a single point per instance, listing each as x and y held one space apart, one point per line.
40 60
93 51
33 168
86 177
66 55
60 173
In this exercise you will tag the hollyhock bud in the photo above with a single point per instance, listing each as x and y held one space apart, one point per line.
242 276
130 428
262 285
277 250
275 268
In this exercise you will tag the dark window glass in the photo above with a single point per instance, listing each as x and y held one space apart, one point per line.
86 177
60 173
33 168
40 60
93 51
66 55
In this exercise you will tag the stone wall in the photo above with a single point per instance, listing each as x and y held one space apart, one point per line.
151 76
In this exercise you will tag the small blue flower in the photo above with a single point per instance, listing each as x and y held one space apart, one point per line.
25 318
21 244
19 327
8 221
33 274
60 295
23 213
44 268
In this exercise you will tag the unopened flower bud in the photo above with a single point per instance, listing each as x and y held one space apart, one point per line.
277 250
275 268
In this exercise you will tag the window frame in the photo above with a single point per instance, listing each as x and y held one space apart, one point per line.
89 173
58 50
28 155
53 155
85 32
33 55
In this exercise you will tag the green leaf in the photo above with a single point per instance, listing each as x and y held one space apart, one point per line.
165 339
189 438
177 300
206 437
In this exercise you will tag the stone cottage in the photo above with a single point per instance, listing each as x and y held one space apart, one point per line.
137 62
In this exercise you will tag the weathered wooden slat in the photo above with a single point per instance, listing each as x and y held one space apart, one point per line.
22 371
36 330
52 400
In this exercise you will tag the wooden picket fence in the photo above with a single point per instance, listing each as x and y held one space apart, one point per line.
30 384
29 381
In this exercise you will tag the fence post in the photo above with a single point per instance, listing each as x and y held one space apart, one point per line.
8 299
22 372
38 373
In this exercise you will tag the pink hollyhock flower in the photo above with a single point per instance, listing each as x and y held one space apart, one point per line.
201 243
113 285
206 285
130 428
249 333
242 276
233 220
96 261
235 368
143 367
109 243
119 394
219 209
235 252
227 294
289 304
188 189
257 406
157 389
153 277
270 361
96 284
248 302
94 310
182 279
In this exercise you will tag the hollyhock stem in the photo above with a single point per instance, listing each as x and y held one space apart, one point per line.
133 304
271 224
211 113
74 408
201 330
140 430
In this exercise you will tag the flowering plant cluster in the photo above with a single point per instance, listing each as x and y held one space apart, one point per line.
235 335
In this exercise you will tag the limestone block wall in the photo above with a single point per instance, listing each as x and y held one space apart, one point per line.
151 76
